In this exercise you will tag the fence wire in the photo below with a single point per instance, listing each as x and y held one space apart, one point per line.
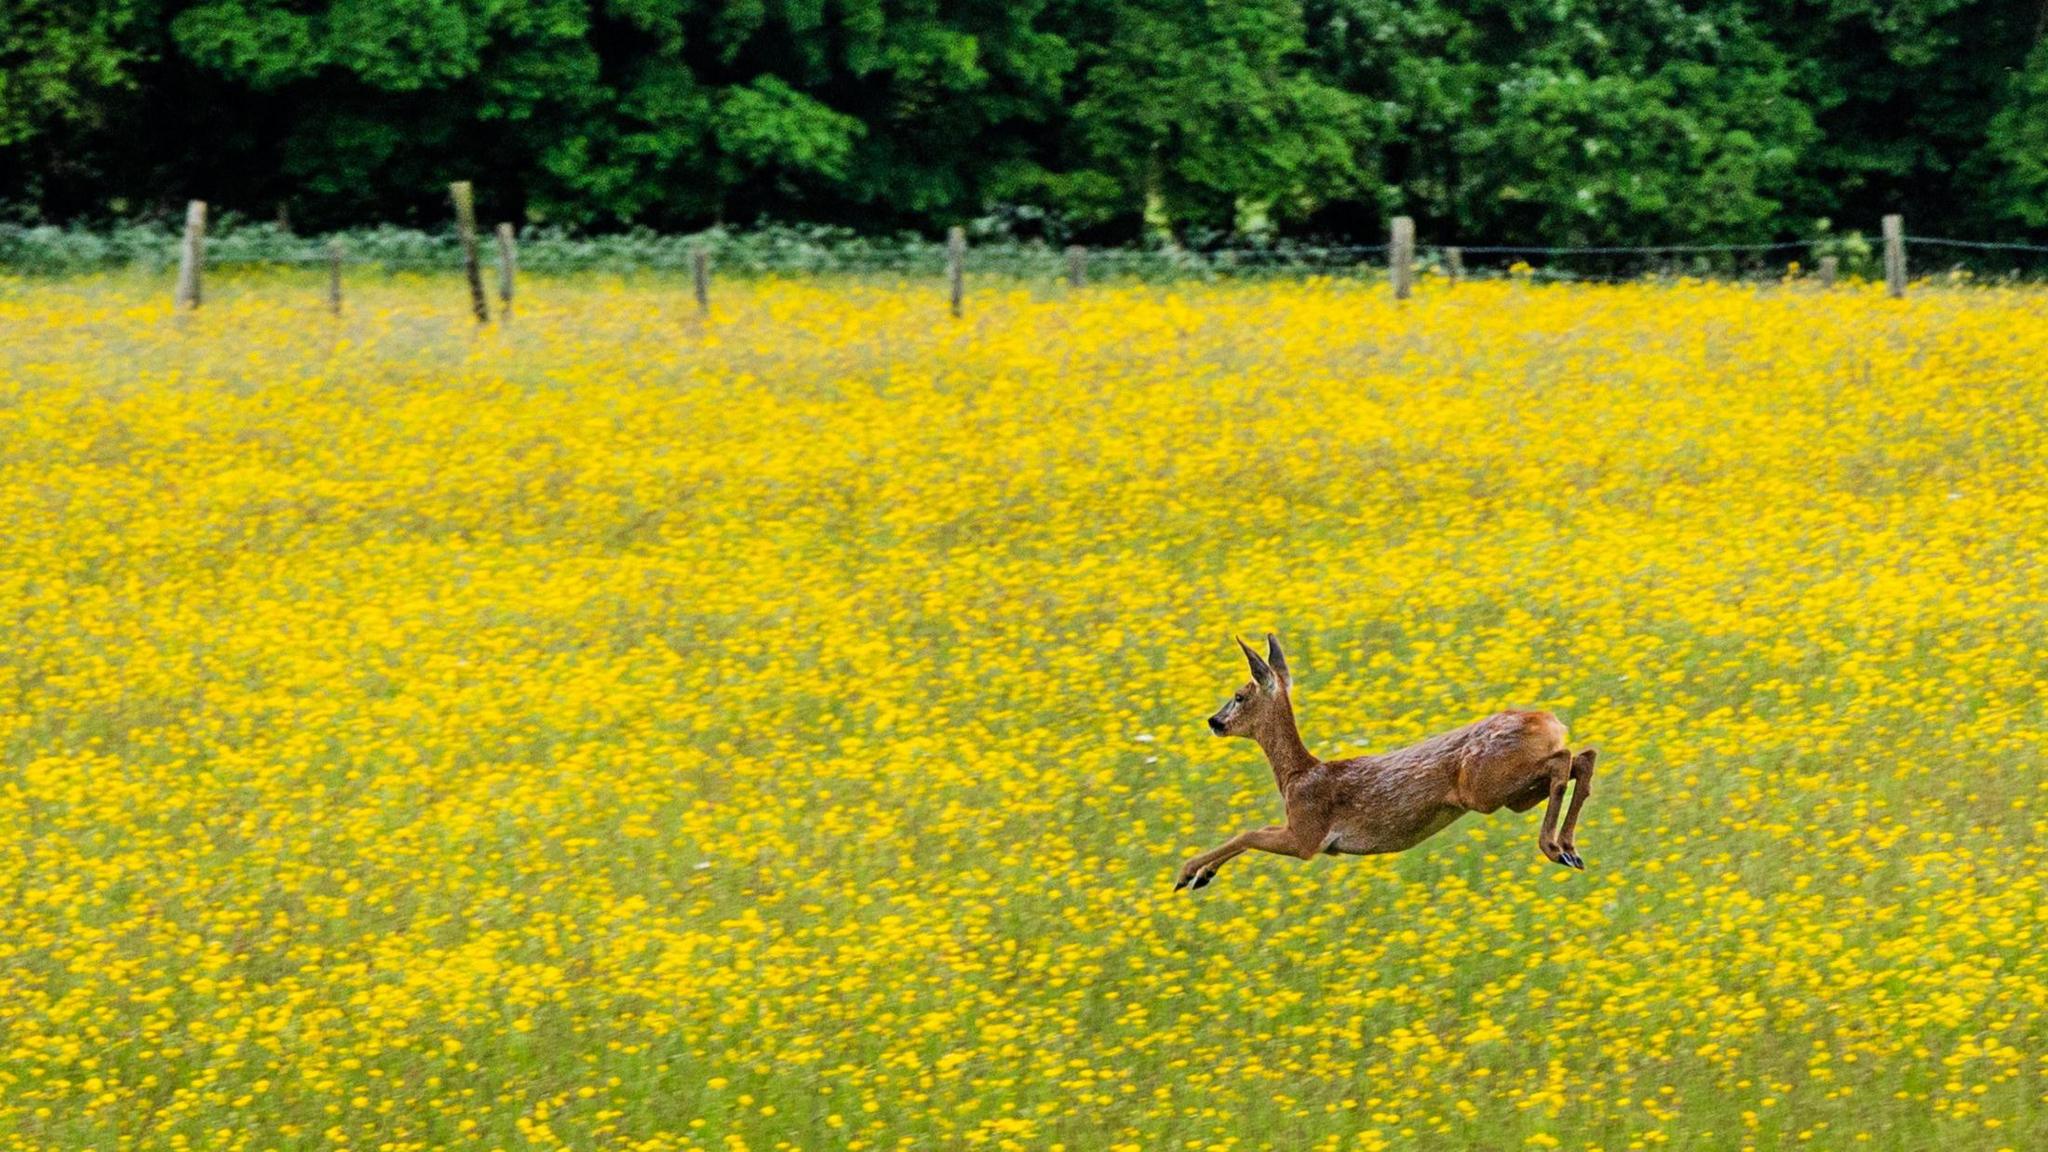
1632 250
1977 245
779 251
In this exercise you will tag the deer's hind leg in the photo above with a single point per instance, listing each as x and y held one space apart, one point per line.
1519 785
1504 783
1556 772
1582 787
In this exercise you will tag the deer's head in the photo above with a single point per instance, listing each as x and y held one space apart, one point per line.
1263 700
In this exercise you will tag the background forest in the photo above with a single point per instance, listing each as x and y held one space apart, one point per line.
1562 121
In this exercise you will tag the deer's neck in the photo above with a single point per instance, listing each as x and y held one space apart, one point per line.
1280 740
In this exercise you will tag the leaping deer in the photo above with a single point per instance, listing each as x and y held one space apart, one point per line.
1389 803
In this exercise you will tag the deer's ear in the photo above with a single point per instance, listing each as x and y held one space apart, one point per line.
1261 671
1278 659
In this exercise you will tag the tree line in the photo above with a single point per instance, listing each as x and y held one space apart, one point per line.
1555 121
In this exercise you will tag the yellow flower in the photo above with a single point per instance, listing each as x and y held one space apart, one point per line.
631 730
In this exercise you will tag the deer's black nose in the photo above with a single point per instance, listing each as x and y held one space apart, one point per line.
1216 725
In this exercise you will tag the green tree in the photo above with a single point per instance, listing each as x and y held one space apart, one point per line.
1193 113
1574 121
2017 143
1903 94
64 64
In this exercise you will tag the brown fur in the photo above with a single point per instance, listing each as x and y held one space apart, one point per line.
1391 802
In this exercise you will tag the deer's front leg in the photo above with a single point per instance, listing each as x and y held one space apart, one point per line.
1275 838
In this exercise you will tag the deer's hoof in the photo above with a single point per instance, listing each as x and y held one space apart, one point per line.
1570 859
1202 879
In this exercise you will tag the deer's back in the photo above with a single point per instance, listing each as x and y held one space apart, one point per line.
1395 800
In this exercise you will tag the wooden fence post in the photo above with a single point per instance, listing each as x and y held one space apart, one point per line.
1454 264
1077 266
1401 256
465 227
334 275
1895 255
956 265
508 270
1829 267
191 256
700 279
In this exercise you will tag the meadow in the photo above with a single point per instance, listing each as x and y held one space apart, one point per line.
626 730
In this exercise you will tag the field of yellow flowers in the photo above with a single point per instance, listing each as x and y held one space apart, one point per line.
625 730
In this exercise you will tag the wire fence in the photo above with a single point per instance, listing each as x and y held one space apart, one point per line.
34 251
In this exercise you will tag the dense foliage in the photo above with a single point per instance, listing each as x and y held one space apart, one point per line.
1564 120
